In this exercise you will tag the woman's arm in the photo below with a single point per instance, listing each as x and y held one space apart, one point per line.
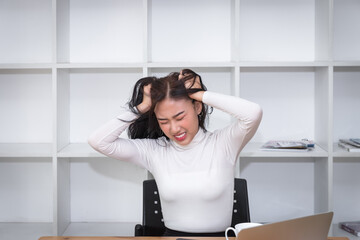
248 115
106 140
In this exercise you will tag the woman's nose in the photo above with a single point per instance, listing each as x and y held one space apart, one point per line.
174 127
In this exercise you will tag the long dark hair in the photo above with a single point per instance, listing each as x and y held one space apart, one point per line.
139 128
147 126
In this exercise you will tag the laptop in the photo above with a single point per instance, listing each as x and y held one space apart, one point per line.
314 227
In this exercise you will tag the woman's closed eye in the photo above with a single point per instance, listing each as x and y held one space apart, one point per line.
163 122
180 118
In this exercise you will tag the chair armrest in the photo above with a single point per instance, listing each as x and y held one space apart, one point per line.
139 230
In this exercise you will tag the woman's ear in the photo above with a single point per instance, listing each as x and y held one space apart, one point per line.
198 107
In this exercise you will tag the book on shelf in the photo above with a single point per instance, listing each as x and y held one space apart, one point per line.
351 141
355 140
350 145
288 145
351 227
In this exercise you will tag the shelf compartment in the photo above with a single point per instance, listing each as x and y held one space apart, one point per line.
253 149
198 33
105 191
269 178
283 30
87 98
26 34
25 105
346 35
26 190
346 104
106 31
298 99
346 181
25 150
99 191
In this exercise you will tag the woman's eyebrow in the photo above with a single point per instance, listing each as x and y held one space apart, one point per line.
176 115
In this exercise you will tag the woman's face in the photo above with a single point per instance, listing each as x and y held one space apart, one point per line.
178 119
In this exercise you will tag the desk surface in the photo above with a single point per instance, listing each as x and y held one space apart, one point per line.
151 238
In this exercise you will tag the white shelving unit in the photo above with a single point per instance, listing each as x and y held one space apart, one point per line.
68 66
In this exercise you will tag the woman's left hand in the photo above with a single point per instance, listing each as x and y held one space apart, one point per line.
193 83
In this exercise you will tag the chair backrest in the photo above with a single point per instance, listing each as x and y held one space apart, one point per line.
241 212
153 224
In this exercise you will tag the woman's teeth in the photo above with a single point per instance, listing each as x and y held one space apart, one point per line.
180 136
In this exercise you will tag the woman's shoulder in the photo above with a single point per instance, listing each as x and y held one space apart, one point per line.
220 133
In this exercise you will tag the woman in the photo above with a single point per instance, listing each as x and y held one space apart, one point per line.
193 168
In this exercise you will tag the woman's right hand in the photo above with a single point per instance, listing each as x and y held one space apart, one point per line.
145 105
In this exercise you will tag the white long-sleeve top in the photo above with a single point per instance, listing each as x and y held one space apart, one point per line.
195 181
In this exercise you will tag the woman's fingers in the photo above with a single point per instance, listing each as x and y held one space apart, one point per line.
193 83
147 90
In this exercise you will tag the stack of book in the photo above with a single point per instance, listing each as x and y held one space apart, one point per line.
286 145
351 227
351 145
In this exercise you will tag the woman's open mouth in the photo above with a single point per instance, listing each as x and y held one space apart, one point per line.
180 137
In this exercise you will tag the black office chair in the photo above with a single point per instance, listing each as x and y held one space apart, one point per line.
153 225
